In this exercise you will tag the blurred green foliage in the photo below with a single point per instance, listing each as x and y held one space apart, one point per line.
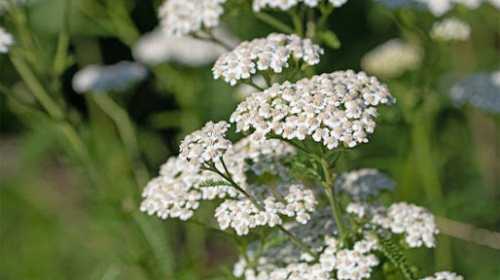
64 216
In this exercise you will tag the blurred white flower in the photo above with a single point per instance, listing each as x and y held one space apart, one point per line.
444 275
481 90
182 17
451 29
270 53
6 40
436 7
158 47
495 3
287 4
117 77
392 59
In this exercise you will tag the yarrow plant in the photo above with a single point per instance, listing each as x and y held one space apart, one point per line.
278 187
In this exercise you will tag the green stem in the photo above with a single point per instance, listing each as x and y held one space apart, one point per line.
60 59
37 88
127 134
273 22
336 210
297 23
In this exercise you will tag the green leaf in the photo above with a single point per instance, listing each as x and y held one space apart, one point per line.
213 183
330 39
394 253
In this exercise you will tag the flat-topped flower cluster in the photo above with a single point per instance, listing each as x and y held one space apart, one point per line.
332 109
271 53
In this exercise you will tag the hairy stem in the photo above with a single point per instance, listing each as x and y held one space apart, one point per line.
336 210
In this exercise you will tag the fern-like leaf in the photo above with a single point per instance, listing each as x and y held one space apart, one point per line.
213 183
394 253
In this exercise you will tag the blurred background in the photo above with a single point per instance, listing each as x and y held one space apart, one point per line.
72 169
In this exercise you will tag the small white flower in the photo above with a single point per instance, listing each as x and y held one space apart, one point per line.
392 59
205 145
451 29
333 109
6 40
444 275
117 77
271 53
182 17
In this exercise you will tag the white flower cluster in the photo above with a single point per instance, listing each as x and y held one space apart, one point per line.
182 17
345 264
481 90
415 222
157 47
288 4
205 145
451 29
242 215
181 185
331 108
117 77
6 40
392 59
444 275
174 194
436 7
270 53
363 183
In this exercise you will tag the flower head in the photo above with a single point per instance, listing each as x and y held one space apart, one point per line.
392 59
271 53
117 77
481 90
206 145
416 223
182 17
158 47
333 109
451 29
6 40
